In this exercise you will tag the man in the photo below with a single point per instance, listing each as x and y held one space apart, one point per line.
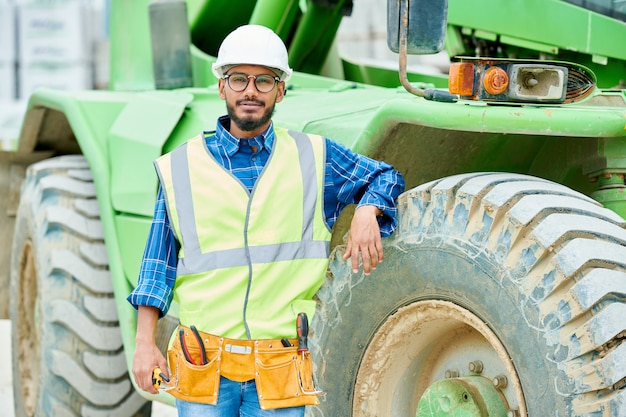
240 238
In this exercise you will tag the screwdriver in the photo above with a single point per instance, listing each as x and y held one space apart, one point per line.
302 326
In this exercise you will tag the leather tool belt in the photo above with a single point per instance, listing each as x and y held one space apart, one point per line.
284 377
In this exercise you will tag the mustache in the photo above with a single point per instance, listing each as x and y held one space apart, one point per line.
247 101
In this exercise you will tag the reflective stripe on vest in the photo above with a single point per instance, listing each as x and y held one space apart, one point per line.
257 258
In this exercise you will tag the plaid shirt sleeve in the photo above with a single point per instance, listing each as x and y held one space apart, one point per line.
352 178
157 273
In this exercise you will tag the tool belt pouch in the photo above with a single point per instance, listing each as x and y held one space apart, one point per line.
284 378
194 383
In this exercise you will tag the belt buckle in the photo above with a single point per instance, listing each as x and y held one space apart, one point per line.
239 350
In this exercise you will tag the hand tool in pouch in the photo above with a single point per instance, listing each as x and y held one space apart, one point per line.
302 326
183 346
200 344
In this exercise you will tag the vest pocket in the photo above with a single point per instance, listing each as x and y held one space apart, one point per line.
195 383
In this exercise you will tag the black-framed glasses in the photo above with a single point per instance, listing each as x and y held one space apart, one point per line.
239 82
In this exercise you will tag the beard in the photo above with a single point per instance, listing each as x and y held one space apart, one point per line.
249 123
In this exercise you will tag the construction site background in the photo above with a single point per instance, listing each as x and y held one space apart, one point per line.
64 44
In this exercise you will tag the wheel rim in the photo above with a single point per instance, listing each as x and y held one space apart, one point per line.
27 329
445 342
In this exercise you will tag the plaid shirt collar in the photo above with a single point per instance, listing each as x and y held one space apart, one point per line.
231 144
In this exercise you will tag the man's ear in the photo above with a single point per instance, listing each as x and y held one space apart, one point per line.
280 92
220 84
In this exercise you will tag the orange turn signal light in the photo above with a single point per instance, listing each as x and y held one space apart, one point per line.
495 81
461 78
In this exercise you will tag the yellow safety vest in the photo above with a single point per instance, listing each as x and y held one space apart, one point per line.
249 262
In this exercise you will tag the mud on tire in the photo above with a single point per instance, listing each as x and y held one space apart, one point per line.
68 358
541 266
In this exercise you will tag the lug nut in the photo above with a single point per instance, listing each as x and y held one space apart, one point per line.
476 367
452 373
514 412
500 381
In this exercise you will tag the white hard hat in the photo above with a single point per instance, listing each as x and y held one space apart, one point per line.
253 45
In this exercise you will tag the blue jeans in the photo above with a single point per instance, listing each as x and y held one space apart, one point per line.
235 399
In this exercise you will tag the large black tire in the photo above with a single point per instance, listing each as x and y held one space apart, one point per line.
68 357
521 276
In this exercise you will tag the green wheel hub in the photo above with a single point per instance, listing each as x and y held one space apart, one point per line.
472 396
434 358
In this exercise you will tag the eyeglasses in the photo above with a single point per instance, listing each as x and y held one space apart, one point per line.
239 82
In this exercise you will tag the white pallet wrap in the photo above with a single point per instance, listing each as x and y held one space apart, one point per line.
8 31
8 81
60 76
11 115
55 32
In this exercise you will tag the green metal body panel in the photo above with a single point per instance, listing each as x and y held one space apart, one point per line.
385 77
553 28
136 139
122 131
131 55
547 22
265 14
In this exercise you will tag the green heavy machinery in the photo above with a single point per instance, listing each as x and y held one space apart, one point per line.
503 291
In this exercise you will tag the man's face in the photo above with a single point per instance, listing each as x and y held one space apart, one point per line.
250 110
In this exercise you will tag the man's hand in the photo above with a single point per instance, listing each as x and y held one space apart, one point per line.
147 357
364 239
147 354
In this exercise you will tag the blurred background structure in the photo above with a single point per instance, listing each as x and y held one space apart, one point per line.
48 43
63 44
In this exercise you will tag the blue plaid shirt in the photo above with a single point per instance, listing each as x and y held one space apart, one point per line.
349 178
